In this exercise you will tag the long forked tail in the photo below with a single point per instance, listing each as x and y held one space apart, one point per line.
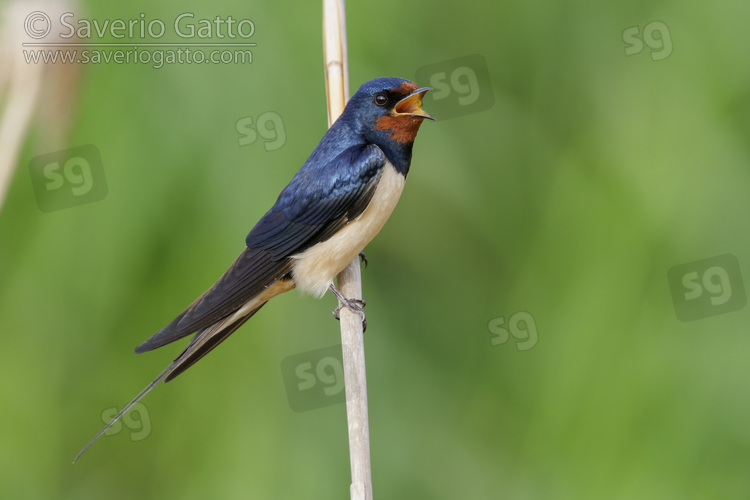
201 344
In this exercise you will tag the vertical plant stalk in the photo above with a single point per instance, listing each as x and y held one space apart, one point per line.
23 82
39 94
350 280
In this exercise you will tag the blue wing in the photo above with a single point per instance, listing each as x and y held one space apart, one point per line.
323 197
320 199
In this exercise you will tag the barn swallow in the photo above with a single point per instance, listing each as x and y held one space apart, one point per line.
335 204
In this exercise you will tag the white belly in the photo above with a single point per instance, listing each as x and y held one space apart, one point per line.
315 268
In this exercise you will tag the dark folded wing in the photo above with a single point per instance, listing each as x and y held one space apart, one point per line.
319 200
205 340
249 275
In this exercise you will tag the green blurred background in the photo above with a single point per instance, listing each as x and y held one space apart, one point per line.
590 176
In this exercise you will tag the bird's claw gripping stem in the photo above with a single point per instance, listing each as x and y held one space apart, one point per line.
354 305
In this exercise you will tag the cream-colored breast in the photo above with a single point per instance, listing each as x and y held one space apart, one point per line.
315 268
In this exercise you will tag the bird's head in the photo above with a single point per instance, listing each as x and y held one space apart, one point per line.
389 109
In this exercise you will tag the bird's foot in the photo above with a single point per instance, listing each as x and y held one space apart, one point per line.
354 305
363 258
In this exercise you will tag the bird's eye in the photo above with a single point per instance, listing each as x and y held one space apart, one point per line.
381 99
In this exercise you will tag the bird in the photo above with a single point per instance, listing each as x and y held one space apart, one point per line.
322 220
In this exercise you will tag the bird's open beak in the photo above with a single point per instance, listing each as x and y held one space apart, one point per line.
412 105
